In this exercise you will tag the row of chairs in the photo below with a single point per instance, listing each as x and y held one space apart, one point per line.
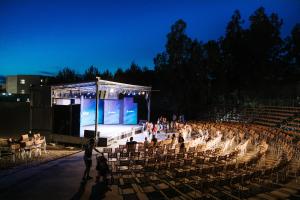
184 176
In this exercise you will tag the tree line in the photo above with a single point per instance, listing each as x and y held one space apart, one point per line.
245 64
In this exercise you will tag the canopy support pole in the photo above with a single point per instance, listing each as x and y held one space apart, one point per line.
97 105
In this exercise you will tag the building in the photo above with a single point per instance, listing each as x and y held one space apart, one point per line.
20 84
2 84
2 87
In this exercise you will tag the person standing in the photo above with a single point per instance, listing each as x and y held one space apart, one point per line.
181 142
146 143
88 150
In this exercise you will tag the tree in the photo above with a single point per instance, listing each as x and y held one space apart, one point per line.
178 44
181 72
91 73
67 75
294 46
265 43
106 75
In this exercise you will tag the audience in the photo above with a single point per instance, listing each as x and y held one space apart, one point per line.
154 140
146 143
131 145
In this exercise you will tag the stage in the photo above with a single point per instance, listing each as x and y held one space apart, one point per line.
114 132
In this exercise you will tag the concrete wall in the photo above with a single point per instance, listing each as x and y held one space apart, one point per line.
14 118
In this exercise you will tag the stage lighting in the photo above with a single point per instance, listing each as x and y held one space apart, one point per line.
143 93
111 90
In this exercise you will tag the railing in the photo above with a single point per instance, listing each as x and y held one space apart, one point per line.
124 134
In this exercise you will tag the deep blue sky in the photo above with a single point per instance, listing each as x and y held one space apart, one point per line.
45 36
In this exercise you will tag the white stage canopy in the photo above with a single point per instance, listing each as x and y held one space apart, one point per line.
96 89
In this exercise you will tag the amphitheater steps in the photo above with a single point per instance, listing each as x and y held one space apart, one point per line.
289 190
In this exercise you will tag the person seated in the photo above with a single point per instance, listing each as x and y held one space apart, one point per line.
146 143
131 145
154 141
168 140
102 168
173 139
180 139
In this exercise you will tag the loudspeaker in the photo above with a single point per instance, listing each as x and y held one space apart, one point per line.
89 134
102 142
66 119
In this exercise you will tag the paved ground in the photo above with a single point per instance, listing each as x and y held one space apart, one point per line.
59 179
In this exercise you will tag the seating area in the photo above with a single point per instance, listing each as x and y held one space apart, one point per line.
218 161
12 150
286 118
271 115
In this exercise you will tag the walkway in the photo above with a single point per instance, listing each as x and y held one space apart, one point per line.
59 179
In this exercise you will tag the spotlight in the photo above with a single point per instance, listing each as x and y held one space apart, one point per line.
111 90
143 93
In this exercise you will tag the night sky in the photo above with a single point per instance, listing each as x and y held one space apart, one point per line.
39 37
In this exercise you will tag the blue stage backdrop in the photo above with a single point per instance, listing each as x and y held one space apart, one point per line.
112 110
129 111
87 116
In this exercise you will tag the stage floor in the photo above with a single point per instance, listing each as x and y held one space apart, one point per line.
114 131
110 131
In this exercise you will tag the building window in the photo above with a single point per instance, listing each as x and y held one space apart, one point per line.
22 91
22 81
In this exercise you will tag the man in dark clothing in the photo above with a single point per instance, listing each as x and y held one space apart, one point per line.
88 150
131 145
181 142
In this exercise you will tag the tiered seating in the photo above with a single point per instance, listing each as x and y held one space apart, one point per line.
294 125
167 172
271 115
